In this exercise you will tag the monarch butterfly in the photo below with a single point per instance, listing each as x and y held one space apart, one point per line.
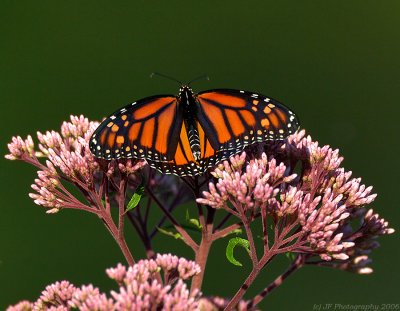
188 133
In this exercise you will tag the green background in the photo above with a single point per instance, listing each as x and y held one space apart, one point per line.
336 63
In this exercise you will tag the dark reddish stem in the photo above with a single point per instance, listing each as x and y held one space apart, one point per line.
224 232
114 230
117 231
296 265
272 252
164 218
223 221
246 223
140 225
186 237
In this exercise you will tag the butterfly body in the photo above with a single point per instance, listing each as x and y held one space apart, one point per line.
188 133
190 110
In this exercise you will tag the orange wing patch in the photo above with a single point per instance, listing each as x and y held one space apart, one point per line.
120 140
146 139
235 122
273 119
111 139
265 123
223 99
103 136
134 131
180 157
164 124
206 150
152 107
281 115
183 154
248 117
214 114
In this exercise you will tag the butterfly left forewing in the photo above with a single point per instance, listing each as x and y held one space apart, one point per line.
146 129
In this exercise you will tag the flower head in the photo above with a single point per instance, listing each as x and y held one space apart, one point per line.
55 295
140 288
21 306
20 148
67 158
311 210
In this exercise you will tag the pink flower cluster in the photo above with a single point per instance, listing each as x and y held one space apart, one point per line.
20 147
155 284
296 190
311 209
67 157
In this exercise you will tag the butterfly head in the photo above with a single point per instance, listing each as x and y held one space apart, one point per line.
185 94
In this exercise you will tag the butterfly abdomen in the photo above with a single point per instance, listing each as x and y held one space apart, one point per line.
189 106
194 140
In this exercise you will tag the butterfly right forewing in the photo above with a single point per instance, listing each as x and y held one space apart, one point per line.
147 129
233 119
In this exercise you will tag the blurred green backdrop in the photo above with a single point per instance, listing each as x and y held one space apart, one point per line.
336 63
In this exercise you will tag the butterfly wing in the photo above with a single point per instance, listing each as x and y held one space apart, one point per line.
184 163
234 119
227 121
148 129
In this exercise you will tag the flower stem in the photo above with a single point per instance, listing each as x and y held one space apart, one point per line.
204 248
296 264
242 290
186 237
120 239
252 276
117 232
201 260
125 250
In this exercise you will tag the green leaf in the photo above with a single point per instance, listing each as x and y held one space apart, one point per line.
175 235
134 201
189 228
231 246
193 221
236 231
291 256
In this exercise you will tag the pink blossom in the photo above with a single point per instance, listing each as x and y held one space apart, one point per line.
140 288
20 147
319 203
21 306
55 295
117 274
67 157
89 298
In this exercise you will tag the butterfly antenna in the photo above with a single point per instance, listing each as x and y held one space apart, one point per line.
165 76
206 77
